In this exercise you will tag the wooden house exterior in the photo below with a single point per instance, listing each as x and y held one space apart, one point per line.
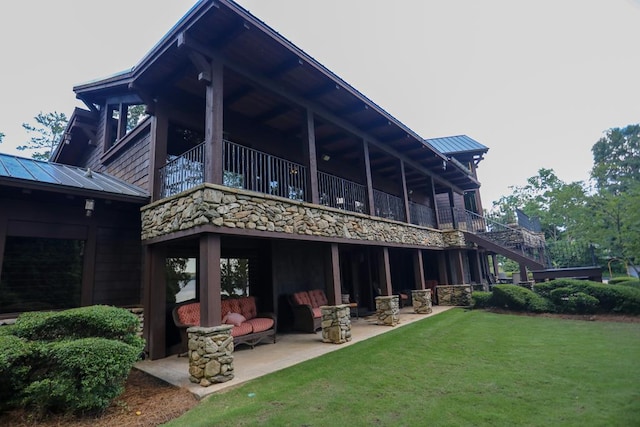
251 149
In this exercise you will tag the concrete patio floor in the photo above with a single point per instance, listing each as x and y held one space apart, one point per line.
290 349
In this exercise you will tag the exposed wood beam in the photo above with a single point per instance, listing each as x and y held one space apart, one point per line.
238 94
321 90
284 68
352 109
273 113
240 28
275 87
375 124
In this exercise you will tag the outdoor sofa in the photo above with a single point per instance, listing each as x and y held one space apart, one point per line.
307 316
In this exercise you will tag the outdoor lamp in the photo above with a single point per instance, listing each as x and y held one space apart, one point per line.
89 206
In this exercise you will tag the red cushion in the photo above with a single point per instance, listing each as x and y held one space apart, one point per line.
302 298
317 312
189 314
260 323
243 329
318 298
248 307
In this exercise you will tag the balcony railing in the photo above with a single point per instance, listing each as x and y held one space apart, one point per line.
342 194
388 206
257 171
182 172
422 215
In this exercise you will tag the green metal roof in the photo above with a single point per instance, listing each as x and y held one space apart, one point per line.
457 144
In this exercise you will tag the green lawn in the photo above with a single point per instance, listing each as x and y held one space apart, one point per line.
459 368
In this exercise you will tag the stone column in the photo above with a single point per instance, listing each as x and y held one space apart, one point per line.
387 310
210 354
421 301
454 295
336 323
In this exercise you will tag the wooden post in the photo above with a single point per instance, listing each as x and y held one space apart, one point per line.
384 268
435 202
310 156
523 273
158 150
443 275
334 285
210 289
458 266
3 236
214 126
418 269
155 299
367 171
405 194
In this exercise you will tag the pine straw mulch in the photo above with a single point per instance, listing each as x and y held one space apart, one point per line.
146 401
158 402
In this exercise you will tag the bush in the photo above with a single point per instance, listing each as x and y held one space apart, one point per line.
518 298
612 298
74 361
83 322
84 375
620 279
631 281
568 301
481 299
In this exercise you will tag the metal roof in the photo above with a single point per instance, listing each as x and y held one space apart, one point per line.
456 144
21 171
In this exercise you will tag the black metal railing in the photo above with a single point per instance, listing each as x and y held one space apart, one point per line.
388 206
182 172
342 194
422 215
257 171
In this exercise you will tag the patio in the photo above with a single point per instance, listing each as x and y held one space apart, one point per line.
291 348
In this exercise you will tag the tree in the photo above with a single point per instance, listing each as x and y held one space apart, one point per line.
616 159
47 133
1 137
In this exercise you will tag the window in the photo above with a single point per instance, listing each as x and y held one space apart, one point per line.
234 274
116 129
41 274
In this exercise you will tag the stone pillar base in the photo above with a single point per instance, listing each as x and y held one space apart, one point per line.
454 295
336 323
210 354
388 310
421 301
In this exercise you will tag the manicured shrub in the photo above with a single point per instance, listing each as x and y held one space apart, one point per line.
612 298
567 300
631 281
15 366
481 299
620 279
93 321
518 298
83 375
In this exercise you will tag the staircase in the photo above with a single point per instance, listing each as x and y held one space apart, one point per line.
517 243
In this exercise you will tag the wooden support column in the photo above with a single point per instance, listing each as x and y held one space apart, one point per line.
334 285
210 303
405 194
3 237
214 125
418 270
122 120
443 274
367 170
435 202
309 143
88 265
496 266
457 265
158 150
155 300
478 269
384 272
523 273
452 205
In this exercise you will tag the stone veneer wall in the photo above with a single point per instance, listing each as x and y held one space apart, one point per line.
336 323
210 204
210 354
421 299
388 310
454 295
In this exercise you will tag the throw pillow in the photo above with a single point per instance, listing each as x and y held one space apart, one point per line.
234 319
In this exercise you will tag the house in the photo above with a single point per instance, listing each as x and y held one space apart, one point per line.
249 149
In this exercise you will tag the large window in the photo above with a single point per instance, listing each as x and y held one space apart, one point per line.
41 274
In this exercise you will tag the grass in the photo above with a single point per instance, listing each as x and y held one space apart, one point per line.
459 368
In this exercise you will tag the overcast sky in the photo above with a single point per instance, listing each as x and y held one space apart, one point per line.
537 82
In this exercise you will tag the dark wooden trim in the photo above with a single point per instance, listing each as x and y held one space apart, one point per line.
405 195
46 230
418 270
89 265
367 171
3 236
155 301
214 124
117 149
458 266
478 267
334 284
210 276
434 202
310 156
122 120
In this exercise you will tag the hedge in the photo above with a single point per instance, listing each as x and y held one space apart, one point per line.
15 366
481 299
612 298
517 298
